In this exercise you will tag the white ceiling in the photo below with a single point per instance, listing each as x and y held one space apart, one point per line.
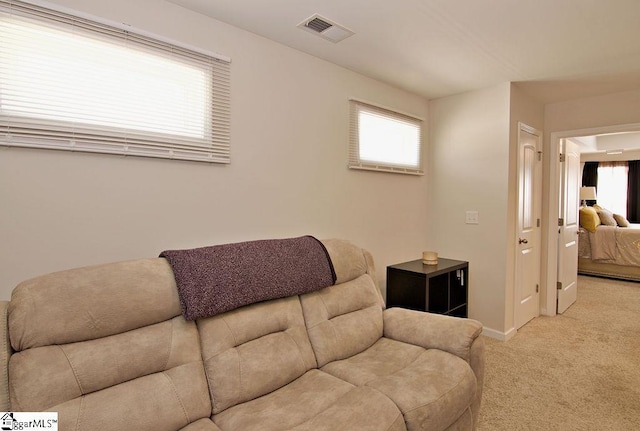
555 49
608 142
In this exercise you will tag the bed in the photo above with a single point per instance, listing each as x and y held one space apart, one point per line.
610 251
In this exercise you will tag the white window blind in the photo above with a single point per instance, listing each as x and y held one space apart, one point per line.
69 83
384 140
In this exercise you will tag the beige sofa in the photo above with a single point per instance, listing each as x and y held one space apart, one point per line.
108 349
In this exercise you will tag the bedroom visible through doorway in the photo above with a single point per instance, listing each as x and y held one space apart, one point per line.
612 143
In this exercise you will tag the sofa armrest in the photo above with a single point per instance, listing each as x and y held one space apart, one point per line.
5 354
460 337
432 331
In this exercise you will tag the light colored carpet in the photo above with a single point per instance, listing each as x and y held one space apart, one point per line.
576 371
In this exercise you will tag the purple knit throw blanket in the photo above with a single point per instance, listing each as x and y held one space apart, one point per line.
212 280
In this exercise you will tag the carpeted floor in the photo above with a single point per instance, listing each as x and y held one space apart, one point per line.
577 371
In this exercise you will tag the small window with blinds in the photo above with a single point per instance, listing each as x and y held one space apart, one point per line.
384 140
71 83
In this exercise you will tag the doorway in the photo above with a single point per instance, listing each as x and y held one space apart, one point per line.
551 215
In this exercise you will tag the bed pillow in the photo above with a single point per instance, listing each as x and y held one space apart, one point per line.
606 217
589 219
622 222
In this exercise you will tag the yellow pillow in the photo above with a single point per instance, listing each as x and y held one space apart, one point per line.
589 219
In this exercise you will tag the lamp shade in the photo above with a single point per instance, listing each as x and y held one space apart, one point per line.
587 193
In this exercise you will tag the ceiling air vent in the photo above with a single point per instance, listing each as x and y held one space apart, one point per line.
325 28
614 152
318 25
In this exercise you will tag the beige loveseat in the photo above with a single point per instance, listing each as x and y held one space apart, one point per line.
108 349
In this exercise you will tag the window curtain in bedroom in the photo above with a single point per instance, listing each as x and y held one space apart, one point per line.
633 192
590 177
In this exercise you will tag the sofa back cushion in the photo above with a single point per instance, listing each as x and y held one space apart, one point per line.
107 348
254 350
344 319
349 261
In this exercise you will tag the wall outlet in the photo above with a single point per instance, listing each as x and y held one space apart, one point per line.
471 217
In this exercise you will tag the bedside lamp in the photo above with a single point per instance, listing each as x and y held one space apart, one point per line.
587 194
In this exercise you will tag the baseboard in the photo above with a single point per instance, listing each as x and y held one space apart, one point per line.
502 336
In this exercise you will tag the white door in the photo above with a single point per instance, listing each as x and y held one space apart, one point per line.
568 224
528 239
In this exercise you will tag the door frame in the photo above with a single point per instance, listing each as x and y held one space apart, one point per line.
548 305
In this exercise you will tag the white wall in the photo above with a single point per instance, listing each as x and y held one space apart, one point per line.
469 170
599 111
473 166
607 111
288 174
603 157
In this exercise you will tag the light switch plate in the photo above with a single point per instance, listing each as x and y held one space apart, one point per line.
471 217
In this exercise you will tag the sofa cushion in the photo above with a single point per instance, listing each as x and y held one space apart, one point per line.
314 402
254 350
344 319
349 261
201 425
161 402
464 422
107 349
76 369
95 302
384 358
431 387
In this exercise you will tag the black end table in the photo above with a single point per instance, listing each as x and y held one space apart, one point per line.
441 288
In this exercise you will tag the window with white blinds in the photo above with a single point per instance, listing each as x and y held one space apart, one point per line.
384 140
70 83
